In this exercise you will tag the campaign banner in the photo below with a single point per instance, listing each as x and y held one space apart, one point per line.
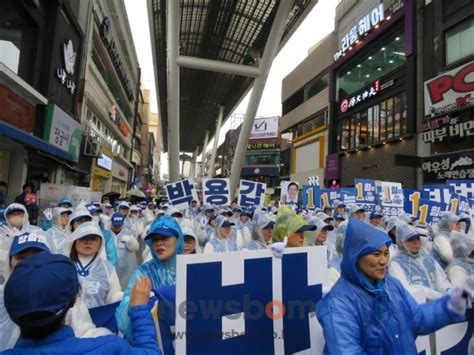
225 307
429 211
366 194
311 196
264 128
462 187
464 205
348 195
390 197
181 193
454 339
411 200
251 193
438 193
328 196
289 192
216 191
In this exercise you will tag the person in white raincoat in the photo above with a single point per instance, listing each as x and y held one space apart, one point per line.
334 264
222 238
57 234
442 251
462 267
262 234
99 281
415 269
127 246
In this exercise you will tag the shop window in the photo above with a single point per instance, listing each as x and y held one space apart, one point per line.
383 120
397 114
363 132
459 41
345 135
404 109
389 116
315 86
385 56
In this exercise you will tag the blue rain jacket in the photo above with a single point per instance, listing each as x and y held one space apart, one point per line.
159 274
109 245
63 341
362 318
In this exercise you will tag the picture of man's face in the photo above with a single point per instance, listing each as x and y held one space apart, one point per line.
293 192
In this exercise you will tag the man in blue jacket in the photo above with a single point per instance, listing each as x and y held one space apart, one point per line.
369 312
38 295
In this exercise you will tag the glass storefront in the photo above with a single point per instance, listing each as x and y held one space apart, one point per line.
384 121
257 158
460 41
386 55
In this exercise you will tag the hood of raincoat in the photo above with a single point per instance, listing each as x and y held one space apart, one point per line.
361 240
340 236
17 206
56 221
287 222
263 220
87 228
447 221
220 220
80 211
463 246
167 222
404 232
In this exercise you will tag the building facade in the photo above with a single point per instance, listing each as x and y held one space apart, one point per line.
304 124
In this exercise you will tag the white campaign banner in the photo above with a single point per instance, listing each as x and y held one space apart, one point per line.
264 128
216 191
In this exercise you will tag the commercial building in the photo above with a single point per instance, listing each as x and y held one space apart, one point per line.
304 124
373 91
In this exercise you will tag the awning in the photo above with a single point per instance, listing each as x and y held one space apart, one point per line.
20 136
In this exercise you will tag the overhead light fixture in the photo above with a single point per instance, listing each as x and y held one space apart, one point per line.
369 147
359 65
350 48
383 48
348 73
367 75
370 57
391 61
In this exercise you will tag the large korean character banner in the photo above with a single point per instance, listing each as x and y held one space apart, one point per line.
216 191
438 193
289 192
390 197
412 199
311 196
429 211
328 196
225 307
462 187
181 193
251 193
366 194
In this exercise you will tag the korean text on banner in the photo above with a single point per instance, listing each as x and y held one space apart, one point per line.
251 193
216 191
390 197
181 193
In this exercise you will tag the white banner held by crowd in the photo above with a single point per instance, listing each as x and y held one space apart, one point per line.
216 191
251 193
181 193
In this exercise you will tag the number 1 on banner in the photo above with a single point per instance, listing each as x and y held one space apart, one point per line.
415 201
310 193
386 194
423 214
325 199
454 205
360 191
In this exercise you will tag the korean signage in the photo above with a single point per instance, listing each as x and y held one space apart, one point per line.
448 166
333 167
462 187
429 211
370 21
62 131
255 146
450 91
365 193
216 191
311 196
348 103
66 74
181 193
264 128
251 193
114 53
455 128
390 197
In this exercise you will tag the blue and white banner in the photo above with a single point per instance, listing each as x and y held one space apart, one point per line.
454 339
225 307
429 211
462 187
438 193
366 195
390 197
412 199
181 193
311 196
348 195
328 196
216 191
251 193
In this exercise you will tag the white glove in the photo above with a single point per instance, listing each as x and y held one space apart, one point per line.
48 214
457 302
279 247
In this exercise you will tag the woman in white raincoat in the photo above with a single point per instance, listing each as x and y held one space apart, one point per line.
462 267
262 234
57 234
99 282
415 269
222 239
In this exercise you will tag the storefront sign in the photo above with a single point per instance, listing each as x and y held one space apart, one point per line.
62 131
260 146
66 74
333 167
454 129
115 56
16 110
119 171
346 104
364 25
114 116
451 91
264 128
448 166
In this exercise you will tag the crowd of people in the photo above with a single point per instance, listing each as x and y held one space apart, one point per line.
80 258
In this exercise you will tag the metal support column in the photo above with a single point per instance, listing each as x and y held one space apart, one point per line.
271 47
212 167
203 155
192 171
172 42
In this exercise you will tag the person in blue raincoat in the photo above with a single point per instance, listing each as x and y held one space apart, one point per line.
165 240
368 312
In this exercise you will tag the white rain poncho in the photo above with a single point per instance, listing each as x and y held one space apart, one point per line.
258 241
442 251
127 246
334 264
99 281
57 235
462 266
420 271
218 244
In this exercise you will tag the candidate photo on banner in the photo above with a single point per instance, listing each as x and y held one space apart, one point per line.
289 192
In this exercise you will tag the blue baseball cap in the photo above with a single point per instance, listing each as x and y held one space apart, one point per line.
27 240
163 232
270 224
375 214
64 201
307 227
117 219
44 282
91 208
